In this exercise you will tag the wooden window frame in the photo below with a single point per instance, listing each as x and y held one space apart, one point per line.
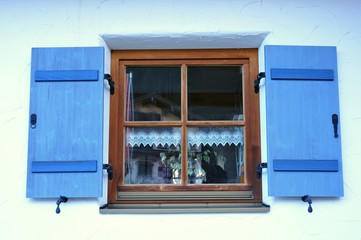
251 192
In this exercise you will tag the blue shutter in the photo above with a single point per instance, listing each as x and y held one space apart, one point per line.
303 150
65 146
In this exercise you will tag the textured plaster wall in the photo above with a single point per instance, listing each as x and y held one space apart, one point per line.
26 24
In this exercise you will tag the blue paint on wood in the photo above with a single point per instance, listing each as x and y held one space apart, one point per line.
305 165
69 121
66 75
64 166
299 120
302 74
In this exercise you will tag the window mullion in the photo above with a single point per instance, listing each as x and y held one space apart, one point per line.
184 126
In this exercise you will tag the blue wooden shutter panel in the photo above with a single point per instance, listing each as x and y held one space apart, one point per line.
66 125
303 151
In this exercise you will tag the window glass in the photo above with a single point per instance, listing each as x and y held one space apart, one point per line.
215 155
153 94
215 93
153 155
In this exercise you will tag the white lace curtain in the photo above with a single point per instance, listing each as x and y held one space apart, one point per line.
167 136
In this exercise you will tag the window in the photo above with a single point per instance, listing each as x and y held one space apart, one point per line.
184 127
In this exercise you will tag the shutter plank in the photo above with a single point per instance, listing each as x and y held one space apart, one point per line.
66 75
305 165
64 166
302 74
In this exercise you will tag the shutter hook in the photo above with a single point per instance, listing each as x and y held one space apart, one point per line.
307 199
60 200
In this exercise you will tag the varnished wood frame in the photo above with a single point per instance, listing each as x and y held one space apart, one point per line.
247 57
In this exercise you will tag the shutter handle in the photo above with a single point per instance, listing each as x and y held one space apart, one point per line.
335 122
307 199
33 118
60 200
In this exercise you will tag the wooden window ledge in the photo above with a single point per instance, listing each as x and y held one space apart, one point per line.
186 208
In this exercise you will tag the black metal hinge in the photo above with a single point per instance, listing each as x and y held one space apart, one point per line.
109 169
259 169
258 81
111 83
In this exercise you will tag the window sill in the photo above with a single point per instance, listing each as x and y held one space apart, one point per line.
187 208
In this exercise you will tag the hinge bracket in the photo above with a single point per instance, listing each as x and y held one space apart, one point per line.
109 169
259 169
258 81
108 77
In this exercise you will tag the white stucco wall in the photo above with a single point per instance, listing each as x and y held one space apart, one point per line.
26 24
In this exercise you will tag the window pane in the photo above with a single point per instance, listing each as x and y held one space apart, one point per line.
215 155
153 94
152 156
215 93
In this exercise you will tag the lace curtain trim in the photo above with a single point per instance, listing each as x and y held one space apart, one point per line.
196 136
215 136
153 136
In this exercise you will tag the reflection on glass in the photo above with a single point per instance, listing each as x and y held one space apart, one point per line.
215 93
153 94
153 156
215 155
